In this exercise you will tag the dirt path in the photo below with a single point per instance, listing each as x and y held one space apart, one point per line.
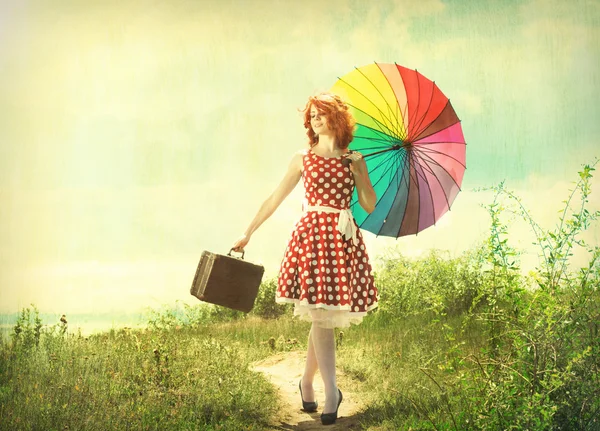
284 371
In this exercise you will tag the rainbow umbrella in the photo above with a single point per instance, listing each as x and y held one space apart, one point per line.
413 145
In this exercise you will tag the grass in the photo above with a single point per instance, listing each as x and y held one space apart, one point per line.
185 376
462 343
175 379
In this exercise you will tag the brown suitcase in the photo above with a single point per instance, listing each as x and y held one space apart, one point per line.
226 280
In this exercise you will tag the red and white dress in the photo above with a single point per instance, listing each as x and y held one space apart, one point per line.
325 270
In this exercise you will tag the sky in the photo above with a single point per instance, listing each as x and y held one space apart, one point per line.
136 134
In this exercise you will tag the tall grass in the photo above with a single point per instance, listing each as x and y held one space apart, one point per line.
478 346
458 343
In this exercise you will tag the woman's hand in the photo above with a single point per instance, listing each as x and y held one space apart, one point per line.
358 165
240 243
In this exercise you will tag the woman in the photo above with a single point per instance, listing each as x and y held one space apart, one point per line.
325 271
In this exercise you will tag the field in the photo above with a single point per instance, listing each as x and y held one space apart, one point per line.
458 343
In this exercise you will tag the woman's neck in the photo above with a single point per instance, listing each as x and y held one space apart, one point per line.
327 146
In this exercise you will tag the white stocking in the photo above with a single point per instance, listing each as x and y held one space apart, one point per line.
324 344
310 370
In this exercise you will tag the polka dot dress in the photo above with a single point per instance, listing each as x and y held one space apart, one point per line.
326 276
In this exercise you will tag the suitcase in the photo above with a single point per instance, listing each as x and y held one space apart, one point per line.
226 280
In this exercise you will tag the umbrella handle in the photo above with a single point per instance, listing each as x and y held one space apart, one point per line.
346 161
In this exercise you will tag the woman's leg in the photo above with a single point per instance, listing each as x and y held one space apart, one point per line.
310 370
324 344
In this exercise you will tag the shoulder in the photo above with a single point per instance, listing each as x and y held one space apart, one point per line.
297 160
299 155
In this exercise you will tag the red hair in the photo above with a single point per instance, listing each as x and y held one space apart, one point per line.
339 120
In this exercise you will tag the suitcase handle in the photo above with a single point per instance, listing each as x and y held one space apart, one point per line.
243 252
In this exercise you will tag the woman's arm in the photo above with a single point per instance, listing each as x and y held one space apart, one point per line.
367 198
268 207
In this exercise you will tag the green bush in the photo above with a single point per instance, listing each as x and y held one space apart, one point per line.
540 365
265 305
496 350
433 282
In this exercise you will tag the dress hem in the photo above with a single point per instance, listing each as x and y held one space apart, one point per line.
304 303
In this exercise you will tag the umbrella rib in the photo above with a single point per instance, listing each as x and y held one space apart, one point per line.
432 151
435 119
415 177
374 119
394 160
403 178
413 119
426 167
387 169
396 113
389 165
402 132
385 136
425 156
418 126
373 170
392 124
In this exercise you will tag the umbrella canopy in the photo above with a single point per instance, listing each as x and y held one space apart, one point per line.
413 145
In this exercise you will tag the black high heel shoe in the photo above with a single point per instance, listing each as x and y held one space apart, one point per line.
310 406
330 418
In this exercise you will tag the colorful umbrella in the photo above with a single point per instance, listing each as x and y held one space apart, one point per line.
413 145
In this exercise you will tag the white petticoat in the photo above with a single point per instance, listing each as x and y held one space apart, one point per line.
337 317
